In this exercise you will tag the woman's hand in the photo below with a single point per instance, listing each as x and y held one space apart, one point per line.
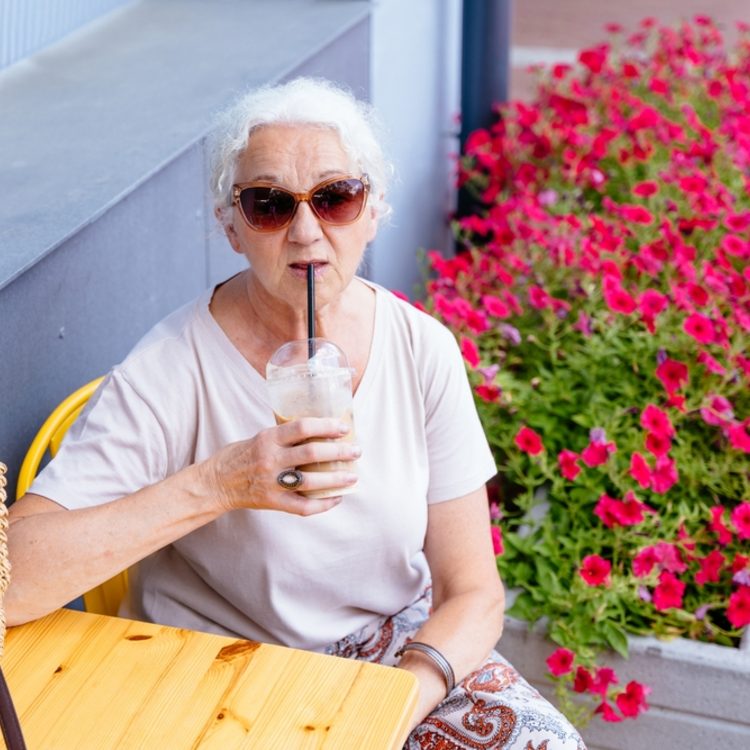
245 474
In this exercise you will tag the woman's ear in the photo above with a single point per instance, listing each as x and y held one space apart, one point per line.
229 230
372 230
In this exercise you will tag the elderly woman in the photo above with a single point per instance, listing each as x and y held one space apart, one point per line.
176 468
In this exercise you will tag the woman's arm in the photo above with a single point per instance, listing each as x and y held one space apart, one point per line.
468 596
58 554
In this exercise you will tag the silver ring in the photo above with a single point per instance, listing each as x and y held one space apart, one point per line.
290 479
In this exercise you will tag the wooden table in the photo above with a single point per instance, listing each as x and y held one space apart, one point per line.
92 682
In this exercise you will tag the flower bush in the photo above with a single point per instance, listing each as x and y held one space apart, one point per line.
602 305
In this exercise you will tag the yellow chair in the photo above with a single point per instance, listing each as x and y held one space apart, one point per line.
105 599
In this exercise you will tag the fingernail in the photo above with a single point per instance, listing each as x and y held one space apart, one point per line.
351 477
343 427
356 451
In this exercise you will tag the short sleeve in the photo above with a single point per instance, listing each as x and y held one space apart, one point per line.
114 448
460 459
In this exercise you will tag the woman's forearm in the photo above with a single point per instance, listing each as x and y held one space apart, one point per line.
57 555
464 628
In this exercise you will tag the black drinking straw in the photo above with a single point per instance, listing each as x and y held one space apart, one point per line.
310 311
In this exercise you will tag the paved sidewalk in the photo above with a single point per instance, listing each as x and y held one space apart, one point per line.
551 30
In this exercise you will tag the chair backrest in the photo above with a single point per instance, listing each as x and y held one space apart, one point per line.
105 599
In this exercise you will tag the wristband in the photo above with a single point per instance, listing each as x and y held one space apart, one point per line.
436 656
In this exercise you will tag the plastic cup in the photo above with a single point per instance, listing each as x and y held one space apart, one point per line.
320 385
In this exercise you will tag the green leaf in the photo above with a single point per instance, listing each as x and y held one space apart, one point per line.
523 607
616 638
547 577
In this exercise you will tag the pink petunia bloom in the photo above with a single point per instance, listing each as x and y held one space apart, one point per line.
603 679
670 558
538 298
618 300
470 351
636 214
740 562
659 445
664 476
711 566
529 441
568 461
717 525
717 411
711 364
596 571
700 328
738 611
697 294
495 306
673 375
655 420
560 662
651 302
490 394
741 520
583 680
632 701
644 561
607 712
739 438
583 324
646 188
669 592
497 540
640 470
597 453
630 510
606 509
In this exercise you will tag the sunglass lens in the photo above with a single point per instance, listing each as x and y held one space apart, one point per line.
266 208
339 202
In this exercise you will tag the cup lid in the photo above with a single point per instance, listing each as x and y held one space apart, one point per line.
293 360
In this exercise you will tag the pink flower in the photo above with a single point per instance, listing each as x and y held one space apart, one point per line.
488 393
606 510
739 438
604 678
646 188
568 461
470 351
596 453
741 520
669 592
607 712
644 561
560 662
711 364
596 571
711 565
738 611
664 476
718 411
630 510
528 441
497 540
495 306
583 325
673 375
651 303
655 420
538 298
583 681
717 525
640 470
636 214
700 328
632 701
618 300
670 558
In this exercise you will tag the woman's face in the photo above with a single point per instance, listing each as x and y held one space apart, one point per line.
298 159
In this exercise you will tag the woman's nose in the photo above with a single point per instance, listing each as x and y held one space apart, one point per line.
305 227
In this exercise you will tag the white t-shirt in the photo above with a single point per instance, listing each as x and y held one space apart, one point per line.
185 391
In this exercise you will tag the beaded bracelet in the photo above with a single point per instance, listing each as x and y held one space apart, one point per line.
436 656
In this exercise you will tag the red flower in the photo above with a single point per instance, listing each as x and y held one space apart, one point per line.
583 681
659 445
568 461
618 300
607 712
488 393
651 303
495 307
700 328
497 540
604 678
669 592
640 470
673 375
561 662
596 571
632 701
606 510
711 565
738 611
739 563
594 58
717 525
646 188
711 364
630 510
664 476
741 520
596 453
528 441
655 420
644 561
538 298
636 214
470 351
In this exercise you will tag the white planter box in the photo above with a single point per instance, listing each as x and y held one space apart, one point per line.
700 697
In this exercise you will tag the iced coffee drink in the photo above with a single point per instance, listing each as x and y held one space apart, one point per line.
312 378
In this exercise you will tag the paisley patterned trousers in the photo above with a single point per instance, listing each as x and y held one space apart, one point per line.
493 708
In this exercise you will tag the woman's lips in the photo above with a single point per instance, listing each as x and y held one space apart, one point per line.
300 269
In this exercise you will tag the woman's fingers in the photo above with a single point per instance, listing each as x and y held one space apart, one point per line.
320 451
305 428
